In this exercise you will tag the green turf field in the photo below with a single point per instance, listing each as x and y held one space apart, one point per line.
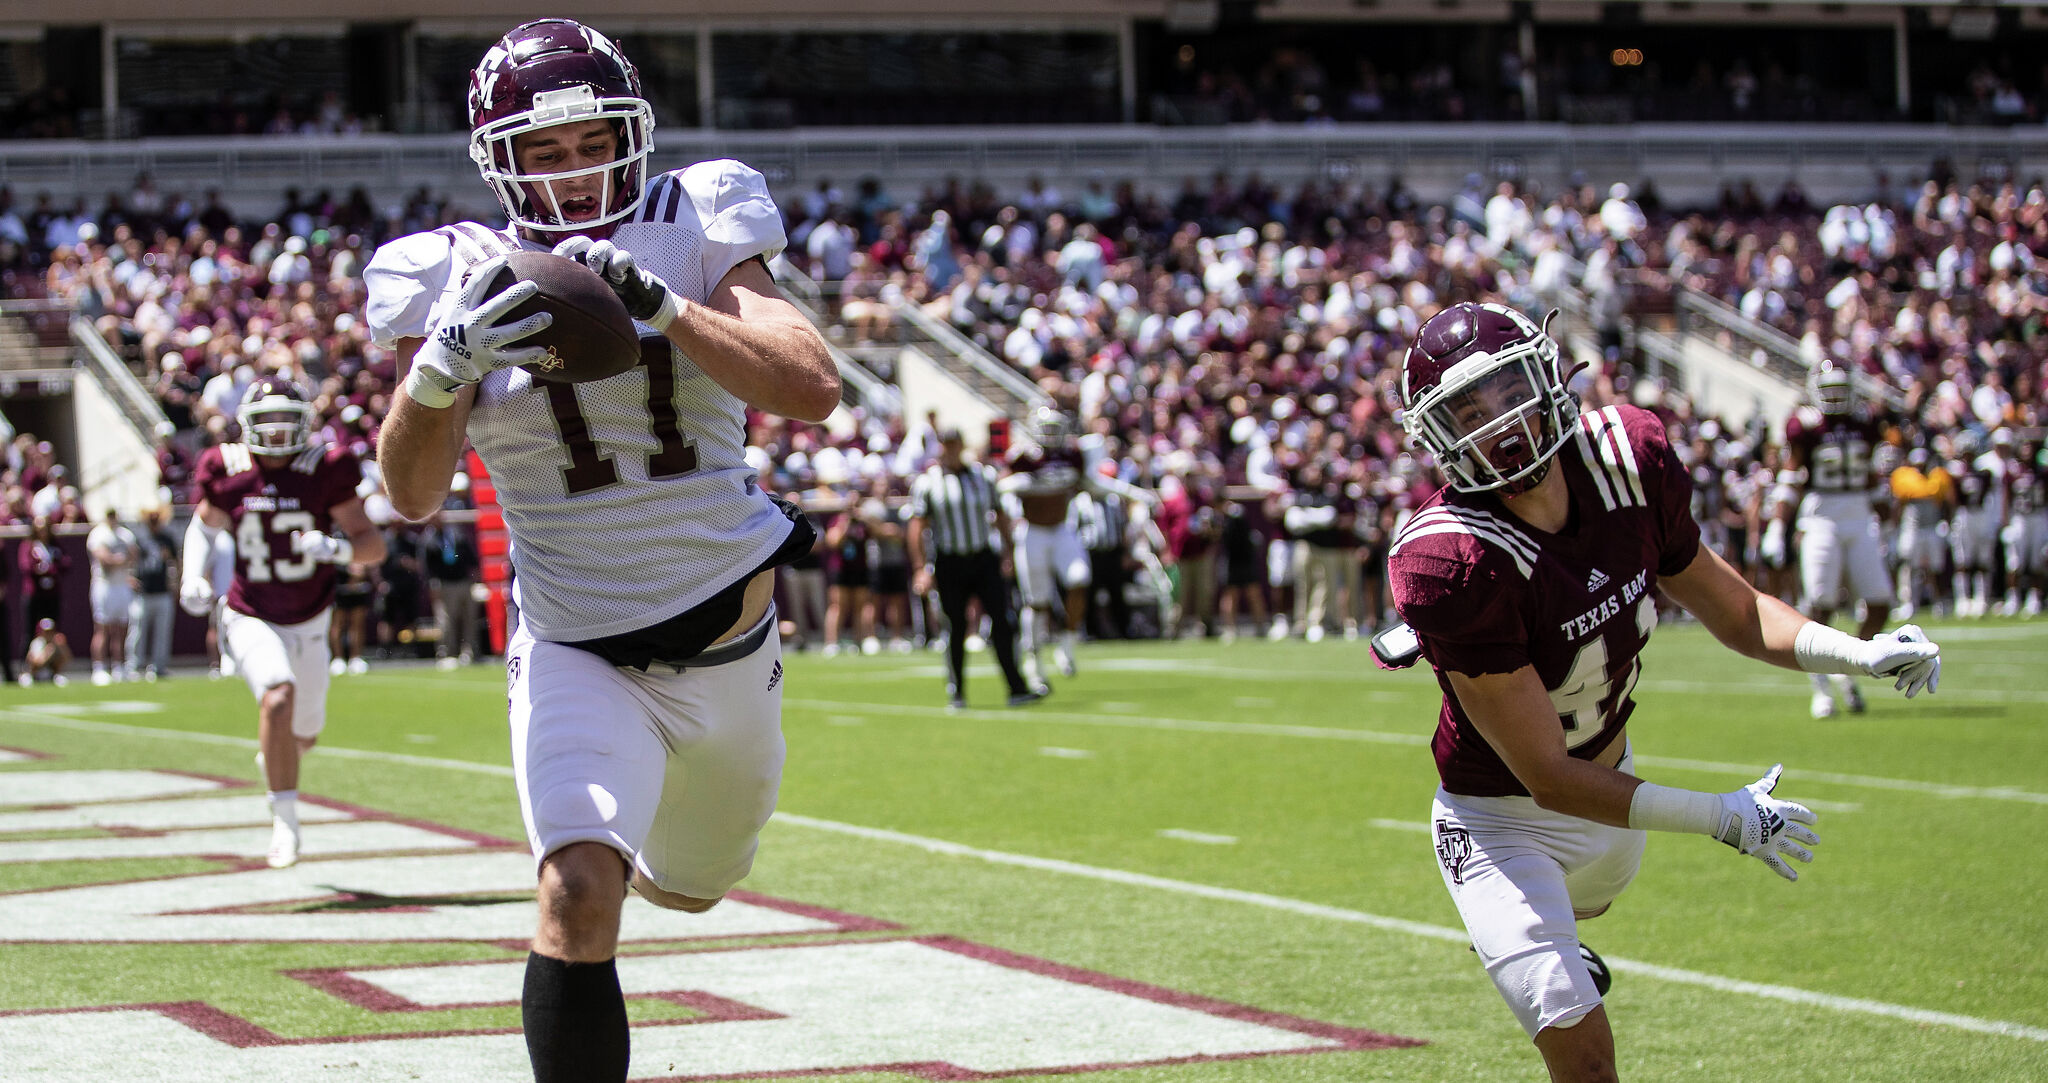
1195 862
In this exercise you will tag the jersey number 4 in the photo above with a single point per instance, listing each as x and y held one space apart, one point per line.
590 469
252 544
1588 696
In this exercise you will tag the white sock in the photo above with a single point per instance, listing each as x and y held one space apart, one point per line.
1070 639
284 804
1027 630
1820 683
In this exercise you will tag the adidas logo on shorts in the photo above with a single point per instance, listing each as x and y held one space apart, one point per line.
1595 581
775 676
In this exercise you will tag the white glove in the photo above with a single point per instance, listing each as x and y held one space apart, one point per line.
1905 654
648 299
1765 828
1772 548
468 344
325 548
196 596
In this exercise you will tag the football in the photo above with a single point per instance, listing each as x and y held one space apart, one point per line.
592 337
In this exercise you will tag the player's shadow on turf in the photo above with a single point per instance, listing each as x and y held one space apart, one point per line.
350 899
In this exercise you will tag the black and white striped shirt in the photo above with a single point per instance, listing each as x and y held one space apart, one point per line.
1100 520
958 506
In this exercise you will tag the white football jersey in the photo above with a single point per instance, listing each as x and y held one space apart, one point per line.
627 499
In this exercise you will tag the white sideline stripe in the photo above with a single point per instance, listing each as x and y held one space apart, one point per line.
1138 879
1143 722
1417 826
1331 733
1857 1005
1205 837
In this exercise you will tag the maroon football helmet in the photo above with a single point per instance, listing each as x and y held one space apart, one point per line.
276 419
549 72
1485 393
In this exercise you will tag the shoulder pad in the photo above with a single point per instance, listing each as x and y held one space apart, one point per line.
1617 444
1463 535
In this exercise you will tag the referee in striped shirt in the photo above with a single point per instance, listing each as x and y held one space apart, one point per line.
957 521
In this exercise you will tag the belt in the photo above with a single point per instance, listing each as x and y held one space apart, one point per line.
732 650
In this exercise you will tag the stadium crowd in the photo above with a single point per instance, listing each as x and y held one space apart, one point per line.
1234 344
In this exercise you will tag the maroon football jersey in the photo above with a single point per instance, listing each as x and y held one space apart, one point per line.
2026 487
267 498
1487 593
1053 478
1835 449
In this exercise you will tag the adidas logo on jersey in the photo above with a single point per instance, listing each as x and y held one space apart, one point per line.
1595 581
775 676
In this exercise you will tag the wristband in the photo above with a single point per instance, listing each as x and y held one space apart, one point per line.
1667 808
1821 649
671 307
422 389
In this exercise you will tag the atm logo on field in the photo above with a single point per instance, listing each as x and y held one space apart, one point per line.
778 988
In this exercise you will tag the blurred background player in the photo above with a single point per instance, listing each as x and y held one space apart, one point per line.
1832 443
271 500
645 676
111 546
1924 493
1052 566
1973 528
49 653
151 612
1531 582
2026 531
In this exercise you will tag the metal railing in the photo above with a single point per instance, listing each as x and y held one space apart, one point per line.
860 385
136 403
990 376
1752 340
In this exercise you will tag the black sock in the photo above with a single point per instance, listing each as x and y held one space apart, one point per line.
575 1021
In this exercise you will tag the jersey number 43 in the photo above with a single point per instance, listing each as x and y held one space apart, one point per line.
252 544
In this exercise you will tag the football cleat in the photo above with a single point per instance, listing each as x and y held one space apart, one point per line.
1029 696
1823 705
1597 967
337 667
358 666
1852 698
284 845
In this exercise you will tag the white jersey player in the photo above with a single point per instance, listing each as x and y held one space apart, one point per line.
1045 475
1834 443
645 676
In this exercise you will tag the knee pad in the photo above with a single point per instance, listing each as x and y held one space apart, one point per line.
1545 985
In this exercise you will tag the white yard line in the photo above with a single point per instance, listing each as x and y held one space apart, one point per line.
1334 733
1204 837
1784 993
1854 1005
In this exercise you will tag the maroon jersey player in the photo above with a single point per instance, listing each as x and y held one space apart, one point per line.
1529 583
269 503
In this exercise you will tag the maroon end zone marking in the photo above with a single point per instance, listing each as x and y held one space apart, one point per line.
843 921
345 986
30 753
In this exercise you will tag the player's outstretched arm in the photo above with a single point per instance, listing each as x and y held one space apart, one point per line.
1515 715
419 446
748 337
1760 626
204 538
